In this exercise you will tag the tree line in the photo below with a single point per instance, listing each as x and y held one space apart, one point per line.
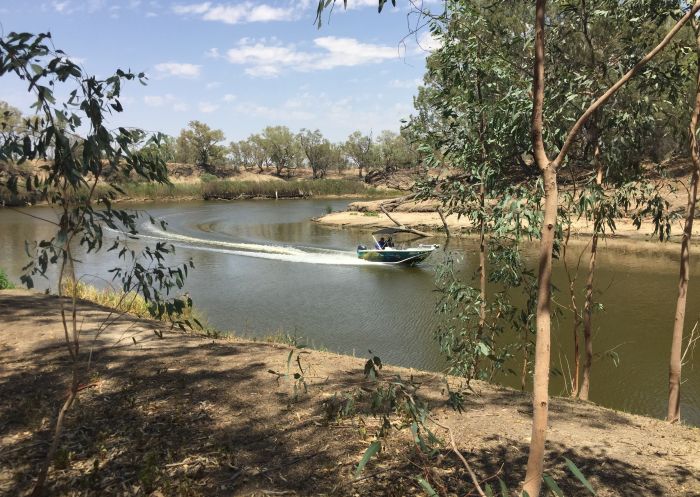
280 150
275 149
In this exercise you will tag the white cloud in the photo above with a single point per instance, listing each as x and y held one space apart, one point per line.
428 43
213 84
76 60
177 69
95 5
167 100
238 13
207 107
61 7
268 60
405 83
275 114
229 97
196 8
212 53
360 4
337 117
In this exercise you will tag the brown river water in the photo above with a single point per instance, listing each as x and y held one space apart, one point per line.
262 267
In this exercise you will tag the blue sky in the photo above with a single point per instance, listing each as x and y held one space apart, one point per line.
240 65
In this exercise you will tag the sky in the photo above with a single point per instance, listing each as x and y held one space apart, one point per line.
239 65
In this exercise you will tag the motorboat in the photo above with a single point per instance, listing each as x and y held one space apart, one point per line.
385 251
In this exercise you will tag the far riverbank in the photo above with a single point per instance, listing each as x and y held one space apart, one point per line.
367 215
221 189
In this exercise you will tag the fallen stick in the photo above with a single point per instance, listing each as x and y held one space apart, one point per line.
410 230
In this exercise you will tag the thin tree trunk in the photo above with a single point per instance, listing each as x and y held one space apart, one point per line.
587 309
73 348
482 262
410 230
540 390
526 361
482 277
675 363
574 310
444 222
588 304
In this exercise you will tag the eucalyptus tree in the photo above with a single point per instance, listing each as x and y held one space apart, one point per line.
282 148
549 158
11 120
69 183
164 150
244 153
361 151
201 145
471 125
259 152
605 156
676 360
338 158
318 151
395 151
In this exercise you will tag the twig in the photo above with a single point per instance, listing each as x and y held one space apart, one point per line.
472 475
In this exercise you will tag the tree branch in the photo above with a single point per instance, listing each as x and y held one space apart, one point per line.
571 135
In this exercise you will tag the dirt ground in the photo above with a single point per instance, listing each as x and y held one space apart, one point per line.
185 415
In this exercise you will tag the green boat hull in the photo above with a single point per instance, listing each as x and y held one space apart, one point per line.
409 257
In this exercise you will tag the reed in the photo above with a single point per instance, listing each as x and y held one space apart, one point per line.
231 189
216 189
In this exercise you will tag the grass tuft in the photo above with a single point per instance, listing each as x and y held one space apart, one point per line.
134 304
5 282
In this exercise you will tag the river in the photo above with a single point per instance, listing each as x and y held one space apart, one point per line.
262 268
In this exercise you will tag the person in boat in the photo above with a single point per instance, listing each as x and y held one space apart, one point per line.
390 243
381 244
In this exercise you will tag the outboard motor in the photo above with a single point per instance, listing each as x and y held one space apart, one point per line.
361 247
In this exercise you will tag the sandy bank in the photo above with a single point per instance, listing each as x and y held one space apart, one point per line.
422 216
186 415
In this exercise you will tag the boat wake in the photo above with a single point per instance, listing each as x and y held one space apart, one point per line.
308 255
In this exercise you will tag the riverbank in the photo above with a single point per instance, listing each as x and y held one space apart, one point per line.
188 415
222 189
422 216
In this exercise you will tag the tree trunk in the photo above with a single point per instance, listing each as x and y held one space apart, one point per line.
482 277
587 309
675 364
482 261
574 310
588 305
540 392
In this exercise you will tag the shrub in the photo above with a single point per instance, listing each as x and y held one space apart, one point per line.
5 282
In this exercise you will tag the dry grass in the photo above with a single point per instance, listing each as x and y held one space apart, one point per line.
134 304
